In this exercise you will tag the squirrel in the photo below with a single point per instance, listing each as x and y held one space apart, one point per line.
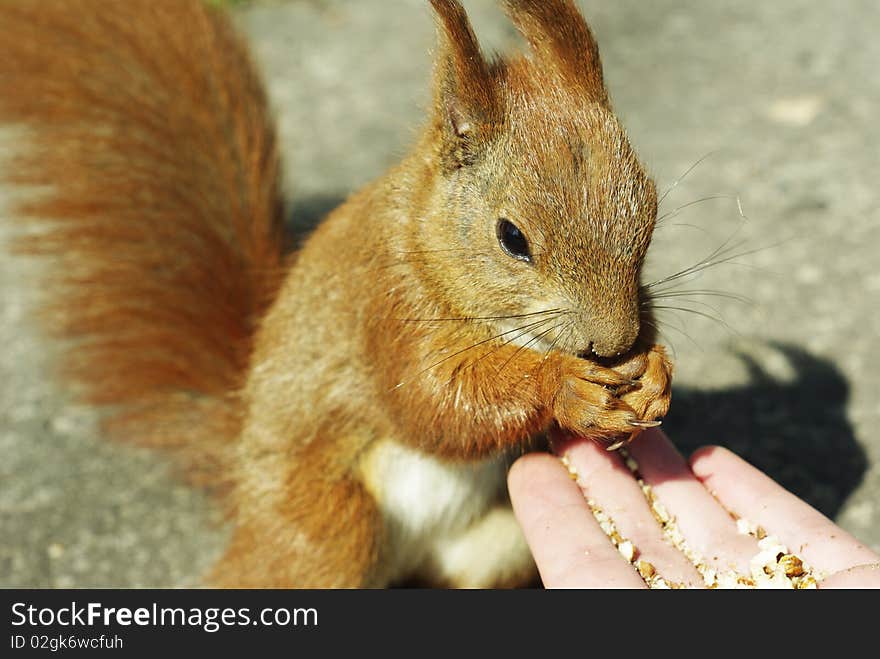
354 401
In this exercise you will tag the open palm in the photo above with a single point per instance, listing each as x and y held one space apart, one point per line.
703 495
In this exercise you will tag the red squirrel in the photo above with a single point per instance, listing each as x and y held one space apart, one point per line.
354 402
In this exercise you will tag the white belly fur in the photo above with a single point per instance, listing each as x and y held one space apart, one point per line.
426 501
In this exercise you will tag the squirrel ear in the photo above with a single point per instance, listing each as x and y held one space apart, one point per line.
465 94
561 40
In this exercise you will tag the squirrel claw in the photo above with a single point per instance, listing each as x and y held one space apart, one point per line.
646 424
623 442
637 424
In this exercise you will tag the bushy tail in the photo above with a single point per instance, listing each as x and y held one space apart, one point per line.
153 167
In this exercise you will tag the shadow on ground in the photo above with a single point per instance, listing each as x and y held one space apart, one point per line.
796 430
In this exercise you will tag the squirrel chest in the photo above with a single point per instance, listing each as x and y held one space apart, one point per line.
428 503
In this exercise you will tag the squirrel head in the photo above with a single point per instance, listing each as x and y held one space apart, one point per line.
535 199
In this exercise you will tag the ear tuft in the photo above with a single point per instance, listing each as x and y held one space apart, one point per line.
562 41
466 95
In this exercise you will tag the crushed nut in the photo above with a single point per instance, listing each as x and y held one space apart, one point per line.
792 565
772 567
645 569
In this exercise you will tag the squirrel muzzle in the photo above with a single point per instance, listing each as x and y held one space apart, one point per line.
607 334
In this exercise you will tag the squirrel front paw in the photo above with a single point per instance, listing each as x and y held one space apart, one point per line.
616 403
651 398
587 400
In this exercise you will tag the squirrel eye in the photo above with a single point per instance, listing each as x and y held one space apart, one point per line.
513 241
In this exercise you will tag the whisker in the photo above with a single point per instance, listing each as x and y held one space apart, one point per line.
471 347
722 251
525 346
684 176
683 225
697 302
731 259
713 197
672 293
407 262
555 341
508 342
435 251
662 336
702 314
468 318
549 351
681 331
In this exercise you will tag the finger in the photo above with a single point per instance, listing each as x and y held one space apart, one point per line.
570 549
753 495
634 367
707 527
651 400
860 576
608 377
606 481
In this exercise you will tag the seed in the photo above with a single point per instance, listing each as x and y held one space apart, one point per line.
627 550
791 565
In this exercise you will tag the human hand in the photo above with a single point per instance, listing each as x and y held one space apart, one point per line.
572 551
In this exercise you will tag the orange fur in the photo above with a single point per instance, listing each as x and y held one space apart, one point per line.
403 342
563 42
154 167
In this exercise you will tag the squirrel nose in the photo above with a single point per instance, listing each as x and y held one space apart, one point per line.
613 341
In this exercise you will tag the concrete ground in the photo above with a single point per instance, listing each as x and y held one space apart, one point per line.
776 101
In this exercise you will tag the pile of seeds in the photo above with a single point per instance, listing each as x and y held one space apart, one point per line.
773 567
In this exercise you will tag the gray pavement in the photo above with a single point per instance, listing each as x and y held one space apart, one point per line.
779 98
